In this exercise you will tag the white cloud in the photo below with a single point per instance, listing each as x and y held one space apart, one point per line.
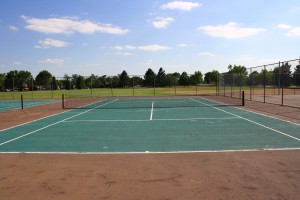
181 5
183 45
124 53
284 26
13 28
47 43
206 54
53 61
126 47
162 22
130 47
230 30
17 63
294 32
153 48
69 25
118 47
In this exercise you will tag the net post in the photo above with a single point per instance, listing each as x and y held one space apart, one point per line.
63 101
243 98
22 102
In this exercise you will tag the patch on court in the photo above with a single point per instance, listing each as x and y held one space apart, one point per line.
127 125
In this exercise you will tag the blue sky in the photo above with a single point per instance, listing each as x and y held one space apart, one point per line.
104 37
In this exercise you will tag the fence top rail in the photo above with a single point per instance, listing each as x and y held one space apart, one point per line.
298 59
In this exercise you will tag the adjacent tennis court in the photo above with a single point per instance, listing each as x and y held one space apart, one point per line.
163 124
16 104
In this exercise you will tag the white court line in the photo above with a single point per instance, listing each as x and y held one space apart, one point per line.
282 133
55 123
151 115
156 152
141 120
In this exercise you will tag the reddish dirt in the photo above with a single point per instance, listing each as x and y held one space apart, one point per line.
229 175
18 116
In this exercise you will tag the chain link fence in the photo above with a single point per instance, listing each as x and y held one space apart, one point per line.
277 83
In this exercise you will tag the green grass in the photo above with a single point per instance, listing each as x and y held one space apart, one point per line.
56 94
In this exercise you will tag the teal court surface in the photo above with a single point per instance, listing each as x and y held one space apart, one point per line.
151 125
16 104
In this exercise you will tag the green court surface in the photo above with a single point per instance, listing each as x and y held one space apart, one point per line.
151 128
16 104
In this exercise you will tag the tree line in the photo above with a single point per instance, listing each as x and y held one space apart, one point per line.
236 75
23 80
279 76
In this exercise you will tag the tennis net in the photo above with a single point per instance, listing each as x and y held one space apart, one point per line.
119 102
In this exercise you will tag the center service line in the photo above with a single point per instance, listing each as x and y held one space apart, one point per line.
151 114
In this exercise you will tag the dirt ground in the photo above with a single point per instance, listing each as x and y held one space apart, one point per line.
218 175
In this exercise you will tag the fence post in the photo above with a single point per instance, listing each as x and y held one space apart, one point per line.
264 84
111 87
282 83
63 101
251 84
154 86
133 86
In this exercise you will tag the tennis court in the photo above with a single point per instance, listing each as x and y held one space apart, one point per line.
139 125
15 104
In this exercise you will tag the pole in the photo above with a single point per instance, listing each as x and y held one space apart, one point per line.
243 98
91 86
154 86
282 84
111 89
22 102
133 86
63 101
52 87
13 88
264 84
31 87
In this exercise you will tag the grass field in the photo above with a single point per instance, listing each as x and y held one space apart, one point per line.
48 94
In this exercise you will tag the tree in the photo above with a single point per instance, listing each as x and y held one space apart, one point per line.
196 78
80 82
23 79
43 79
296 75
283 78
115 81
54 83
236 75
161 78
10 78
211 77
149 78
172 79
123 79
2 76
136 81
184 79
67 82
237 69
